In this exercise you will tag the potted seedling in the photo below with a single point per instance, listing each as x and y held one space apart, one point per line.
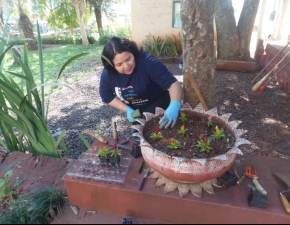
174 144
103 155
218 133
183 117
114 156
204 145
157 135
210 122
182 130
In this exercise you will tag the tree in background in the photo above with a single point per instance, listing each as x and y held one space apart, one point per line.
234 41
80 7
103 6
59 14
24 22
198 50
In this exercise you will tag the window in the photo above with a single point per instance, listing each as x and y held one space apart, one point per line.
176 21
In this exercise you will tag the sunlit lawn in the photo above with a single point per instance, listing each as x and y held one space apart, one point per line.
54 58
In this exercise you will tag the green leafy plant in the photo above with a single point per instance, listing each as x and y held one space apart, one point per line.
22 107
159 47
174 144
5 189
204 145
36 207
157 134
218 133
183 117
98 130
103 151
182 130
115 152
87 144
210 122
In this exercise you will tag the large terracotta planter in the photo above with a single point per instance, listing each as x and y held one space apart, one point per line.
191 170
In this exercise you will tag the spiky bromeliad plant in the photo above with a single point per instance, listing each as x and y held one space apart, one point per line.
115 152
204 145
219 133
103 151
210 122
174 144
23 109
183 117
182 130
157 134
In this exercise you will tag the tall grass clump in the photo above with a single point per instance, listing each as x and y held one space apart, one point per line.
35 207
23 117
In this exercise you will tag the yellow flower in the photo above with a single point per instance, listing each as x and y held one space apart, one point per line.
217 130
182 129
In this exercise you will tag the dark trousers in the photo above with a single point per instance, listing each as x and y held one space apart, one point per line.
161 102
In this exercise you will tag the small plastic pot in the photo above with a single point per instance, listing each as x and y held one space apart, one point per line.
103 160
114 160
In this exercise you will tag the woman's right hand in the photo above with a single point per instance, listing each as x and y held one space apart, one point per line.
129 112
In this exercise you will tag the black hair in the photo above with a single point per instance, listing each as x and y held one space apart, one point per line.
117 45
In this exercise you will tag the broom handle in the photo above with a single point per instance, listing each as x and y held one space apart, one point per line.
259 83
270 62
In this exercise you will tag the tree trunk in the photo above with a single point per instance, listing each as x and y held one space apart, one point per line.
99 20
27 29
80 10
245 26
198 50
227 32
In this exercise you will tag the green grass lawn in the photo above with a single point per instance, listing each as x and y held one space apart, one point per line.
54 57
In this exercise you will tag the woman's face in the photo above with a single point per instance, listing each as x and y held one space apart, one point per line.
124 63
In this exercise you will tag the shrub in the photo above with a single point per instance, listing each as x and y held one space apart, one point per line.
159 47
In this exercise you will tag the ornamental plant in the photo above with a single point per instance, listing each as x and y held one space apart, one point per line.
218 133
157 135
210 122
116 152
204 145
175 144
182 130
103 151
183 117
5 184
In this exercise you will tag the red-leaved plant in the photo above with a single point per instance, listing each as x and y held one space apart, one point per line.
157 134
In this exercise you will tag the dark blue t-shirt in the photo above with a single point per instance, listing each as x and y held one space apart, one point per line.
149 80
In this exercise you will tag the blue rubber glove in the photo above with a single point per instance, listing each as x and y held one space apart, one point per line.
129 111
170 115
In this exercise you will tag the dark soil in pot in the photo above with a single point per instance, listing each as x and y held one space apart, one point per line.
197 128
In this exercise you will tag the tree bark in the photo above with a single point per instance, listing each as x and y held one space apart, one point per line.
227 32
80 10
27 29
198 50
99 19
245 26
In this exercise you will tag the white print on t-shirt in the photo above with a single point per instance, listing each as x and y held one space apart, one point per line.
119 94
138 102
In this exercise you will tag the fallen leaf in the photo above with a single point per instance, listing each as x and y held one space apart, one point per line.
75 209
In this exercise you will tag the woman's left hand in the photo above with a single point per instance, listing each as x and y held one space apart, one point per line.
170 115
